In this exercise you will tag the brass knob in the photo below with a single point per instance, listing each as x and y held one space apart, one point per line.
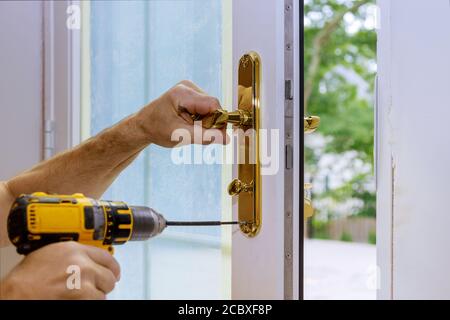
237 186
311 124
220 118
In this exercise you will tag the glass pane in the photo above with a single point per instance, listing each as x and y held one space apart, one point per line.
136 51
340 244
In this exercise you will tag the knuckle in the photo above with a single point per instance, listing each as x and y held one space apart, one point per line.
176 91
185 82
85 265
74 256
70 244
71 248
65 246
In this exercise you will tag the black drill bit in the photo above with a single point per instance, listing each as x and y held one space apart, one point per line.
201 223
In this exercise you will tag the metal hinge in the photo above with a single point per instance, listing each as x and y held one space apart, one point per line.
49 138
289 156
288 95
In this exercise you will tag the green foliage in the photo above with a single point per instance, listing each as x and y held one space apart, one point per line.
320 229
346 237
372 238
347 118
355 188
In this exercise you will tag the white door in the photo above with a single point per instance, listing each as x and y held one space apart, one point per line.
267 266
127 53
413 154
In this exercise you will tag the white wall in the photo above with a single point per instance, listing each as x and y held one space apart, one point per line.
20 93
413 159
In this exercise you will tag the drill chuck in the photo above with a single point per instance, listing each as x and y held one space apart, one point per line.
147 223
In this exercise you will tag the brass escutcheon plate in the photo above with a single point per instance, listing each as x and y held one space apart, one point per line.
249 173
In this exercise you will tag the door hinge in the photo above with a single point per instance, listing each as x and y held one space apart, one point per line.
288 95
49 138
289 157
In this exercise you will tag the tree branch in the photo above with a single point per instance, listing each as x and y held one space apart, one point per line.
320 40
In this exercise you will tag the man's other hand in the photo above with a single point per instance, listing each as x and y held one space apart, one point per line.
48 273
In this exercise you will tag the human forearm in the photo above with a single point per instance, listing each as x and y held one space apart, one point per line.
88 168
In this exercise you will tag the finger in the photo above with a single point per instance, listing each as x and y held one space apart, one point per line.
102 257
194 102
187 117
192 85
90 292
199 135
105 280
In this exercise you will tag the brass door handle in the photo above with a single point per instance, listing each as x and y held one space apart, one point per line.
220 118
310 125
246 116
247 186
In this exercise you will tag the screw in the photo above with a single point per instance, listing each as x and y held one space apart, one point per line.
288 7
288 47
288 214
288 255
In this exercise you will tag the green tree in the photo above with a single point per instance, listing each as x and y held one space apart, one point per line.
339 46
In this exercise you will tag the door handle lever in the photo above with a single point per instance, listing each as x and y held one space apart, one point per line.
220 118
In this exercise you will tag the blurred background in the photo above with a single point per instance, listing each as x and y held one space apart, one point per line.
340 70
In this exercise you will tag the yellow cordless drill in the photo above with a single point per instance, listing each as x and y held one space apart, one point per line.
40 219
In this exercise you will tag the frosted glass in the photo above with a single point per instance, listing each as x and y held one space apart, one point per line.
139 49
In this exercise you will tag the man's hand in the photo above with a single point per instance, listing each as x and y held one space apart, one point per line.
172 111
43 273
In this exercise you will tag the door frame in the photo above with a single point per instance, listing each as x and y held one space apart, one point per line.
62 76
412 156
